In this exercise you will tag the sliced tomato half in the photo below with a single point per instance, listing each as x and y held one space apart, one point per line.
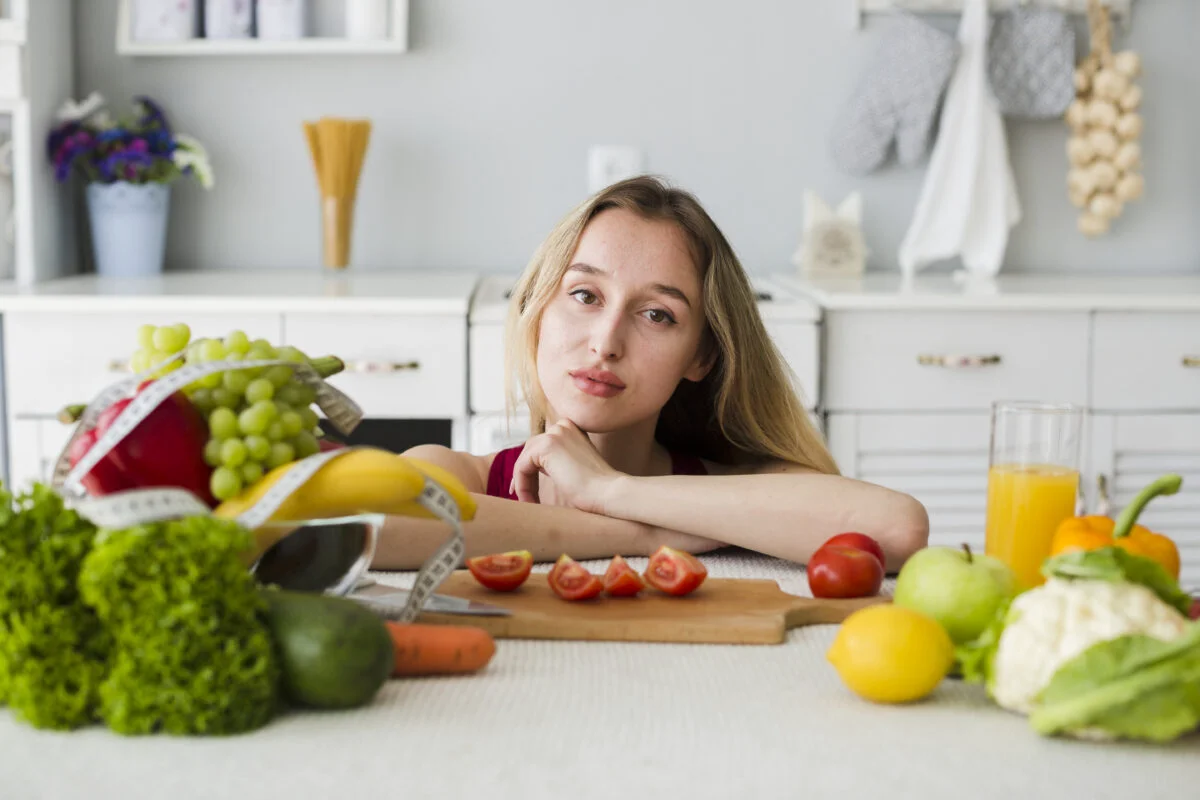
502 572
570 580
674 571
621 580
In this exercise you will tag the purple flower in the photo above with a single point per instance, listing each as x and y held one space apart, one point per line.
139 146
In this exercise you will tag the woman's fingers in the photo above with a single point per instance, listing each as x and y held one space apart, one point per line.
526 472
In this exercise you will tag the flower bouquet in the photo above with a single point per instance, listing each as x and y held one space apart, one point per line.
128 166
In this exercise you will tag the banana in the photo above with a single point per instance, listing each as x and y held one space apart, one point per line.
361 480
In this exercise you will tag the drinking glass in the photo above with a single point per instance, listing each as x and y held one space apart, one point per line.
1033 479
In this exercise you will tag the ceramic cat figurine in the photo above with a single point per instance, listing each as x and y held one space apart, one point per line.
832 245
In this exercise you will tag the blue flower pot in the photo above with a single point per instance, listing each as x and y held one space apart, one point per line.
129 227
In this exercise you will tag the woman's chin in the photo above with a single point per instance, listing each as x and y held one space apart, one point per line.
591 414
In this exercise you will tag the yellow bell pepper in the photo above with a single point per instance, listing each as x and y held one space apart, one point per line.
1094 532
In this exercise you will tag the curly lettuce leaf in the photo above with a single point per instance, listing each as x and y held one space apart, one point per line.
1116 564
53 650
192 652
1133 687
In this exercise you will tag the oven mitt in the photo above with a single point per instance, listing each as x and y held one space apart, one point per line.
897 98
1031 62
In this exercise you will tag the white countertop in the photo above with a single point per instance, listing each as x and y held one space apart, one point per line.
1051 292
600 720
490 304
403 292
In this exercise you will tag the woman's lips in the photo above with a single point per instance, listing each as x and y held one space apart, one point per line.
597 383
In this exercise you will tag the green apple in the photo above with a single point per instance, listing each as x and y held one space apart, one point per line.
958 588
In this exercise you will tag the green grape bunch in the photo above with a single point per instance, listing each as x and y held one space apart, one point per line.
259 418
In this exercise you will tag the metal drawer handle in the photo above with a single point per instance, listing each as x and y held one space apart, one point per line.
1103 504
957 362
382 366
1191 361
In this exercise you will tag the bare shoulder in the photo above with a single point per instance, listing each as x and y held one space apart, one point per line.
469 468
761 468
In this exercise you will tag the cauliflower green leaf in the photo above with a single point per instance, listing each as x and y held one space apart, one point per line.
1134 686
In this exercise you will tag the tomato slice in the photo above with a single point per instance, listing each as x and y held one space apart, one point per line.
674 571
502 572
621 580
570 580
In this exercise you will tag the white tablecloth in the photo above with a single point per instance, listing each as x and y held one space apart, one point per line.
570 720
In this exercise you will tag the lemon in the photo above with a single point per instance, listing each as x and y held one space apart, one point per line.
890 654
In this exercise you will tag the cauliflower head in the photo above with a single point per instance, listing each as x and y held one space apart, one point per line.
1048 626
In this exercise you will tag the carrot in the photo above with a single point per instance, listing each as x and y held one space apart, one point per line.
439 649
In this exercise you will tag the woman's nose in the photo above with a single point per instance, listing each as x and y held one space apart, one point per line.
607 336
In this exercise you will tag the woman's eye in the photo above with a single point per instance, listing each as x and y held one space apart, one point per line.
584 296
658 316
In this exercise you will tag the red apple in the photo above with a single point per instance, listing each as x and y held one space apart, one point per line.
837 571
859 541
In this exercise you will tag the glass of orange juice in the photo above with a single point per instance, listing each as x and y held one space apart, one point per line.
1033 479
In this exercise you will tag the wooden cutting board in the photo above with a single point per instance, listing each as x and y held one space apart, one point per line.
721 611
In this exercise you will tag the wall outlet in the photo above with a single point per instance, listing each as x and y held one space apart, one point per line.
607 165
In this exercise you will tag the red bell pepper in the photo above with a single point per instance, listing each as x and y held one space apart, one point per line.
166 449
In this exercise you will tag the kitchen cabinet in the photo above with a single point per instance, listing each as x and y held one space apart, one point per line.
402 336
1128 451
912 368
940 459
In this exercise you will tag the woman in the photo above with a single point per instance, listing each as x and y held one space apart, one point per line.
663 412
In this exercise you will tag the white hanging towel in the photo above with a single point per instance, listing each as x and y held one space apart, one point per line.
969 200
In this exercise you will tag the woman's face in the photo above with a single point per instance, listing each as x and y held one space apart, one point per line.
624 326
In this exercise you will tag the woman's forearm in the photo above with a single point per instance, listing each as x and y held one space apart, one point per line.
787 515
500 525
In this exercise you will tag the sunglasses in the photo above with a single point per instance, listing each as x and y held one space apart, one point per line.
329 556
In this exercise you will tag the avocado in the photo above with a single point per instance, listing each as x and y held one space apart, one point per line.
334 652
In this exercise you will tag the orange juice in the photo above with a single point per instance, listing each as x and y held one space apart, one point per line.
1025 506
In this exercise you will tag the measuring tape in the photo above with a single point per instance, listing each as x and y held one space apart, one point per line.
343 412
141 506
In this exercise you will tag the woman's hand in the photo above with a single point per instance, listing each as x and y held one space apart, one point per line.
567 456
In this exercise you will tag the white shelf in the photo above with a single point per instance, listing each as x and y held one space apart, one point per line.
1119 9
396 43
263 47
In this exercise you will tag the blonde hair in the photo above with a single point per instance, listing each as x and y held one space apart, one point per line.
746 409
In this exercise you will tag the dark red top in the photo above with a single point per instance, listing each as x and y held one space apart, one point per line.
501 473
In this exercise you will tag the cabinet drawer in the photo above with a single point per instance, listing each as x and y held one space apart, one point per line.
878 361
53 359
799 345
1146 361
396 367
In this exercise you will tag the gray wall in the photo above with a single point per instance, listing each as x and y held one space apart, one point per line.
482 131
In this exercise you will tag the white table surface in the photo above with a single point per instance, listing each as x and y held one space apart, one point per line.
569 720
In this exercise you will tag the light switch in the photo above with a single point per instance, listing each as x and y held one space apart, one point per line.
609 164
